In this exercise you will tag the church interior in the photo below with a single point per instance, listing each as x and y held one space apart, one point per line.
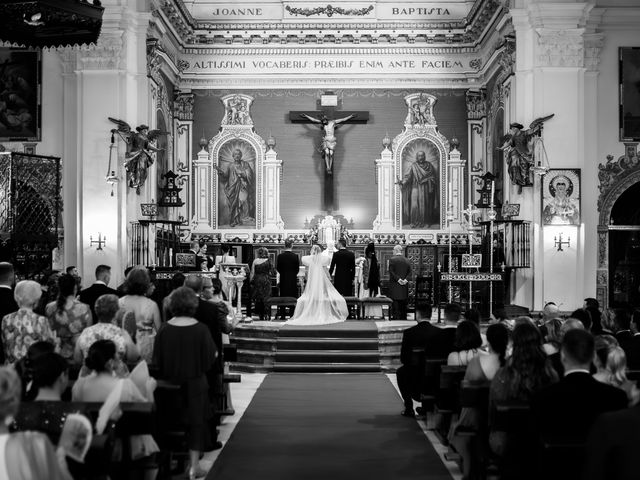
491 143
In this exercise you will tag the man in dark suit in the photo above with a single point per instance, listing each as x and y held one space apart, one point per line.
288 266
399 273
611 452
99 287
216 321
564 412
344 264
7 302
420 342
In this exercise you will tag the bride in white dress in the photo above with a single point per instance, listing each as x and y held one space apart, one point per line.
320 303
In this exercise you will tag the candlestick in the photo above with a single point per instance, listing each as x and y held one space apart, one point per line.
493 191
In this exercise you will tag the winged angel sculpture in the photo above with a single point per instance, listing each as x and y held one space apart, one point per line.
520 149
139 151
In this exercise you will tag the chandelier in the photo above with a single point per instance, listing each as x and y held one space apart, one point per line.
50 23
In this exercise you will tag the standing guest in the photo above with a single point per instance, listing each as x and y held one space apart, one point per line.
177 280
611 451
107 307
24 327
611 365
370 286
207 288
549 311
553 337
419 342
100 287
26 366
525 372
467 344
68 316
121 289
49 286
288 266
146 311
50 377
592 306
566 411
73 271
184 353
7 302
624 335
399 273
480 371
584 316
343 263
225 257
633 346
260 279
24 455
555 358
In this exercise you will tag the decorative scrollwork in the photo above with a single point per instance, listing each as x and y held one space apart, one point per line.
329 10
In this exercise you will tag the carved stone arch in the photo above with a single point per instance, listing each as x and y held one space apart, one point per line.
606 201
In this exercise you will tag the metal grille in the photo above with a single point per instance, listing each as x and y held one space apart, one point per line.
30 207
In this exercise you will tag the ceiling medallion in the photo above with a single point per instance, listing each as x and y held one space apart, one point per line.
50 23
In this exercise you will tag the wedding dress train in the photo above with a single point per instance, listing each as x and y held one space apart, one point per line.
320 304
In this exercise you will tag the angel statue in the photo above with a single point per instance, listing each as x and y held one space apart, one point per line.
519 148
139 150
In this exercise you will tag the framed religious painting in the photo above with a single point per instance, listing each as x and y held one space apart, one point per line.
629 62
420 161
561 197
237 184
20 94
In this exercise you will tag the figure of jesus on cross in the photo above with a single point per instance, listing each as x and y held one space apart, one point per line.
329 139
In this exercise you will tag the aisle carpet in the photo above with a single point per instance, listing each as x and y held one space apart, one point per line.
330 427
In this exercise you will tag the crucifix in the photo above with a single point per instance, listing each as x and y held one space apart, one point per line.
328 122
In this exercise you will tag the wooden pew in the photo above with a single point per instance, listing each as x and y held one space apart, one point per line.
430 382
521 442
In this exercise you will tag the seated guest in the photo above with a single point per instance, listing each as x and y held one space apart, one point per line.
480 371
611 451
419 342
622 321
592 306
146 311
452 313
553 336
611 364
565 412
50 377
24 327
102 381
549 311
184 352
25 367
467 344
24 455
68 316
106 308
525 372
99 287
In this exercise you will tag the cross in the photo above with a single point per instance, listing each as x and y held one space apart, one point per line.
328 122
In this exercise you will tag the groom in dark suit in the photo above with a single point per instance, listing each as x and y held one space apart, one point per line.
100 287
288 266
344 264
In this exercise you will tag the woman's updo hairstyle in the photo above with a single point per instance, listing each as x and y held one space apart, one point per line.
99 355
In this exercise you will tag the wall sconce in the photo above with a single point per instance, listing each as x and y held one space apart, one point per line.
100 241
558 242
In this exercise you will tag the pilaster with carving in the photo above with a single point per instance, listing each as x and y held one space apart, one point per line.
272 176
455 167
385 178
476 131
183 134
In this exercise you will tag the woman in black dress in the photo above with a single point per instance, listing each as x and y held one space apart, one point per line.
184 351
261 281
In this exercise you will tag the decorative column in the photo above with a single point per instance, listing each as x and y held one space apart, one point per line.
385 178
476 128
455 195
272 175
202 180
183 134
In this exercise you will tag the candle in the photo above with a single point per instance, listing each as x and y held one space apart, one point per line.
493 191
